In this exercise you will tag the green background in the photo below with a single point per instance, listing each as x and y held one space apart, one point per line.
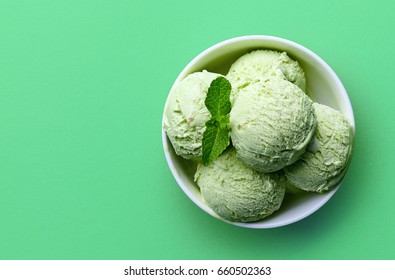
82 88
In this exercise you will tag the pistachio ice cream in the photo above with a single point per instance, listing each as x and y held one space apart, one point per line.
186 114
271 122
324 163
278 142
237 192
256 65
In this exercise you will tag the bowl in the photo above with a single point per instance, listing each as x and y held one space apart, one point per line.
323 86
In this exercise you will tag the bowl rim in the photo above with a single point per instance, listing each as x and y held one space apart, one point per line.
259 39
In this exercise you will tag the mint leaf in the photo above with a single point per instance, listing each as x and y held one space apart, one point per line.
218 97
215 141
216 136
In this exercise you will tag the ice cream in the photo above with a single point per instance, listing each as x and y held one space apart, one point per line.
236 192
290 189
281 143
271 122
186 114
258 64
325 161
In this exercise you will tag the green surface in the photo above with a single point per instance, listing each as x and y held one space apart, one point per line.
82 88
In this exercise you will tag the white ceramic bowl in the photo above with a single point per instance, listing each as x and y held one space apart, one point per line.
323 86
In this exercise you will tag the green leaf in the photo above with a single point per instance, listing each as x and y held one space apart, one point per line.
215 141
216 136
218 97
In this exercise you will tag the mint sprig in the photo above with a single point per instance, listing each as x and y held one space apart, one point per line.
216 136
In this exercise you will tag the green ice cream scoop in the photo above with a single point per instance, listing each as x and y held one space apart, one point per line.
252 66
236 192
272 121
186 114
325 161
